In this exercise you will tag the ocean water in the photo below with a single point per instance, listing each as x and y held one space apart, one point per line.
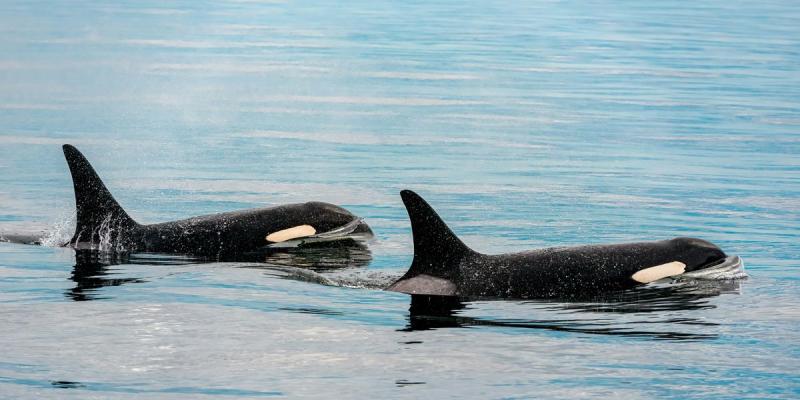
525 125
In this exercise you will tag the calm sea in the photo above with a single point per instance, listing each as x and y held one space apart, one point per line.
526 124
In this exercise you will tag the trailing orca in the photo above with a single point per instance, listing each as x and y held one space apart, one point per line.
103 224
443 265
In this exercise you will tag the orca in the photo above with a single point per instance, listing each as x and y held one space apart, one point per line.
102 224
444 266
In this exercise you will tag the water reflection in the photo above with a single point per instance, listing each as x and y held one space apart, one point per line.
92 272
320 258
644 312
67 384
314 264
93 269
21 238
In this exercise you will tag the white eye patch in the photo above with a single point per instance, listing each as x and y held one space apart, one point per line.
291 233
651 274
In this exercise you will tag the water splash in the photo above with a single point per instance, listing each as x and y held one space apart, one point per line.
60 232
109 238
364 279
105 235
106 238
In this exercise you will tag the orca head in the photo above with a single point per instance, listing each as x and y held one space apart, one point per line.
318 221
697 253
325 216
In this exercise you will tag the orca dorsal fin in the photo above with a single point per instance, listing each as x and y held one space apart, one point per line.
437 250
97 210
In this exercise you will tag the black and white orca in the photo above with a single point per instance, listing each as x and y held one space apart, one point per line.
103 224
444 266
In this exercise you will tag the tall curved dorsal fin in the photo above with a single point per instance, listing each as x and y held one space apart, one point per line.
437 250
94 204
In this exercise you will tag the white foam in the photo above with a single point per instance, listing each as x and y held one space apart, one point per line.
731 268
60 232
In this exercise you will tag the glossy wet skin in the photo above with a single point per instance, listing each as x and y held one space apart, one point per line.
575 271
101 221
233 232
238 231
444 265
697 253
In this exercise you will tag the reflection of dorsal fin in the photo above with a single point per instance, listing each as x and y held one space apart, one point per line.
94 204
437 250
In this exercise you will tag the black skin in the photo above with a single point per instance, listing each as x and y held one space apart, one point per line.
557 271
218 235
235 232
560 272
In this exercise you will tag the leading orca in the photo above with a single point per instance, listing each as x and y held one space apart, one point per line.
444 266
103 224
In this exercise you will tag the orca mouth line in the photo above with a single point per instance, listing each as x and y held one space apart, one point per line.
346 231
343 230
714 263
731 267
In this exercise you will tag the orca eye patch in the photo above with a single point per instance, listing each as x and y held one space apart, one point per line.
291 233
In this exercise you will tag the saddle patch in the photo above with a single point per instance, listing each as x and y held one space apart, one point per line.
425 284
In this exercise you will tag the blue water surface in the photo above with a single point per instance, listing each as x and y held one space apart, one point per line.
525 124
